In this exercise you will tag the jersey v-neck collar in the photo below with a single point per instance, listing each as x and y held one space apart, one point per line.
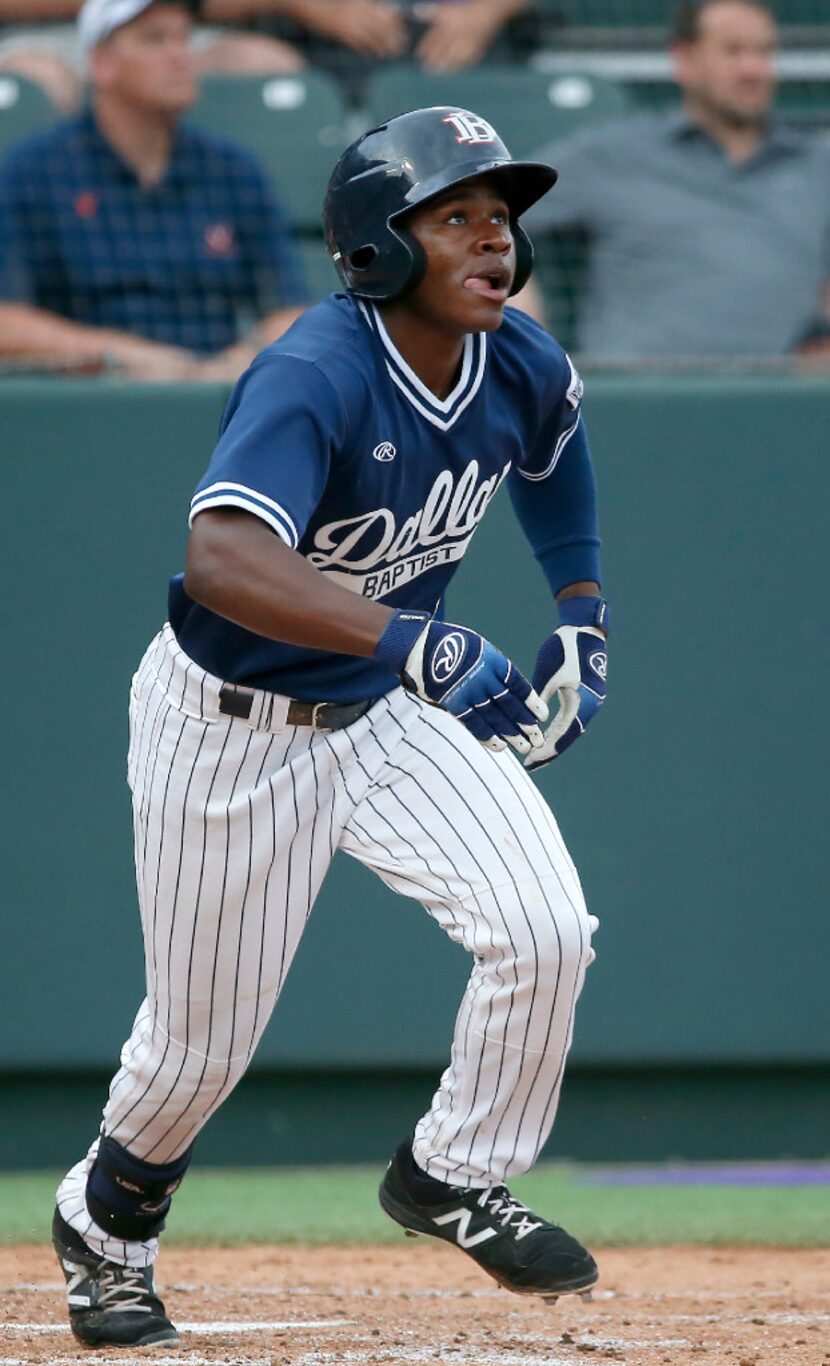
441 412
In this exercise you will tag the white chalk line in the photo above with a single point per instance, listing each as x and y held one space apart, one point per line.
426 1356
407 1356
371 1292
429 1355
121 1360
771 1317
214 1326
425 1293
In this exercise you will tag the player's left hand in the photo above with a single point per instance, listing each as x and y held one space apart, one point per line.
572 664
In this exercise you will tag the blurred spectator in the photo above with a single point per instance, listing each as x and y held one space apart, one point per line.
708 229
130 241
443 35
38 40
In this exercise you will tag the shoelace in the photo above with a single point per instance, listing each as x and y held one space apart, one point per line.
506 1208
123 1287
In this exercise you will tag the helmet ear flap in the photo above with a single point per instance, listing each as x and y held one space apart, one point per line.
524 258
417 268
385 272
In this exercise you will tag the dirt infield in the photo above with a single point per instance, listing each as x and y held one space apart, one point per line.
428 1305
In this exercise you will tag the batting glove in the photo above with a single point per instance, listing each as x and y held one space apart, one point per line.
451 667
572 664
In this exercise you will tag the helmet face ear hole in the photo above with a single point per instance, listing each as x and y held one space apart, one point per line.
362 258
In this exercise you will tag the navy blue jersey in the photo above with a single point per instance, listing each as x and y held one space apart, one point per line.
333 441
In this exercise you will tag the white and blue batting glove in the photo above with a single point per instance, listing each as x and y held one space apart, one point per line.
572 666
451 667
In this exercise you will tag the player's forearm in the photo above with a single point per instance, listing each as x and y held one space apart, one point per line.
237 567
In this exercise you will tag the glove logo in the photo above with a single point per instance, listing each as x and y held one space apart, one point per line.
598 661
448 656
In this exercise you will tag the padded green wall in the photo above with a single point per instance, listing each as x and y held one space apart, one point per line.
695 807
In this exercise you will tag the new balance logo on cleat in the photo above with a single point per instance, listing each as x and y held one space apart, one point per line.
520 1250
462 1217
502 1207
75 1276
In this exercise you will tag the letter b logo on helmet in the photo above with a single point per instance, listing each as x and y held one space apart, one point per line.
470 128
406 162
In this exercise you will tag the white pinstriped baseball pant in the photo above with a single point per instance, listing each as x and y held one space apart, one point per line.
235 825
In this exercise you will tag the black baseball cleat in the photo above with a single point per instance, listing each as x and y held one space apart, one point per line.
109 1305
521 1251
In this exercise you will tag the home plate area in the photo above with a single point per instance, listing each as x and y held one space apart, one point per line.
428 1305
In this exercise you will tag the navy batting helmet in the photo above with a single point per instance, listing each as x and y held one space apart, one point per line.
405 162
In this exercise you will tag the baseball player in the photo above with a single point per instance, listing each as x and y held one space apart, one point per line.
307 694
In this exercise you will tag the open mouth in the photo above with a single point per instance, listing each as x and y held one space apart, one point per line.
493 283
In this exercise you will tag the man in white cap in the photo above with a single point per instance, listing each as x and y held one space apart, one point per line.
97 19
129 241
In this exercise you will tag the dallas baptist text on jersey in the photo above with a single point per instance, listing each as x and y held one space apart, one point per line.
438 533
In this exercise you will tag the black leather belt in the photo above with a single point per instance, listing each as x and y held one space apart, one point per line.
235 701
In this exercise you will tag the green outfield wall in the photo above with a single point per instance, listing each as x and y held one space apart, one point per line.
695 808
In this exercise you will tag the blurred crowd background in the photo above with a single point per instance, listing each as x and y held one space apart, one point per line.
163 165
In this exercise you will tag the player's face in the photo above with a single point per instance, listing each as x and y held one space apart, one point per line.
471 258
729 69
148 64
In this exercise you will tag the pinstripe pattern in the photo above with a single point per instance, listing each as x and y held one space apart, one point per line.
235 825
451 826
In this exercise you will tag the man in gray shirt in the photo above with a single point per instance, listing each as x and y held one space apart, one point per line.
708 229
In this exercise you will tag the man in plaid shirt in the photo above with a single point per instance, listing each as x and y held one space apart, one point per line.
130 242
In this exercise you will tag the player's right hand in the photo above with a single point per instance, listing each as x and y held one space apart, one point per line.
457 669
